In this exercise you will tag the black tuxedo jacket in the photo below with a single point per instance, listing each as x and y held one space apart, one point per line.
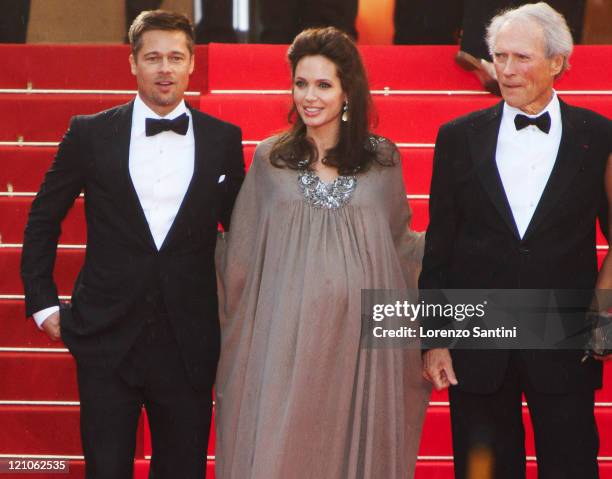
122 264
472 240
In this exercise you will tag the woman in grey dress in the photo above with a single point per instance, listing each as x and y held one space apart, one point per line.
321 215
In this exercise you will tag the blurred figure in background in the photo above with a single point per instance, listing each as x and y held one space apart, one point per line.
441 22
14 21
215 26
281 20
133 9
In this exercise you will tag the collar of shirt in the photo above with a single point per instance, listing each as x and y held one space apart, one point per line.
553 108
141 112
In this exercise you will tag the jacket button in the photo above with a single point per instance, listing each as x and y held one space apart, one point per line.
524 250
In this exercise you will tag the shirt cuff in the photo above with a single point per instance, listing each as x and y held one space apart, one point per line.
40 316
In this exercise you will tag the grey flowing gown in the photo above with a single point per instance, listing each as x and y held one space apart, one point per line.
296 395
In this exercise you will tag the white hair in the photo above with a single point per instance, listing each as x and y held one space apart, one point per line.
557 35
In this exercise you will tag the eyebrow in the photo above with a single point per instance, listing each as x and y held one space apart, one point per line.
155 52
316 79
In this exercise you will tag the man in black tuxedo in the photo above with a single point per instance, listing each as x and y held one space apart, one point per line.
158 177
515 194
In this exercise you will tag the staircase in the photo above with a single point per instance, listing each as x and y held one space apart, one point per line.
416 89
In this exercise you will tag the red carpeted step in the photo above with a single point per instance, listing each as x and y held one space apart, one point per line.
436 437
43 430
19 332
38 377
257 67
69 261
400 118
76 470
46 117
38 66
444 470
67 266
424 470
24 167
14 215
45 384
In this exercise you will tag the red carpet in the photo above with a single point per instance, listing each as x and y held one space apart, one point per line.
235 82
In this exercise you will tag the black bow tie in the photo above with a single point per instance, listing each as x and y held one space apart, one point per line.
179 125
542 122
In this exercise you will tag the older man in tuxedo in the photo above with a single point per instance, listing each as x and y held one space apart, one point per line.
158 177
515 195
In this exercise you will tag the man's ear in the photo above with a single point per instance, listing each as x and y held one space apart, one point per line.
192 63
556 64
132 64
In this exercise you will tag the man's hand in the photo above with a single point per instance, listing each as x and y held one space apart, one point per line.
51 326
438 368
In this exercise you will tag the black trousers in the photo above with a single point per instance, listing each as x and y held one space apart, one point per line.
282 20
152 375
438 22
566 438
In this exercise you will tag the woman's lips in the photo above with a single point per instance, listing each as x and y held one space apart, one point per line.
312 111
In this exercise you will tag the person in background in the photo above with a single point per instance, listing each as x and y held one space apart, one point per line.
14 21
322 215
422 22
515 195
133 8
281 20
215 25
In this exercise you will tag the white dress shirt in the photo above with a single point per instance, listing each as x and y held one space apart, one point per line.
161 168
525 159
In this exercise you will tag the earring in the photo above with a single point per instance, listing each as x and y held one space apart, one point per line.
345 111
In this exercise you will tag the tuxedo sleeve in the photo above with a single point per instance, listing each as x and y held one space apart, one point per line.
62 184
233 176
604 208
441 230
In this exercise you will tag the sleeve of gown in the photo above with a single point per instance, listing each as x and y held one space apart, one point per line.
235 254
408 243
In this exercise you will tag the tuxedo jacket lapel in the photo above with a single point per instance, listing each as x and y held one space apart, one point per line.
125 196
203 181
483 143
567 165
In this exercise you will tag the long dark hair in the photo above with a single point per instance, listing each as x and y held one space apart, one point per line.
353 153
